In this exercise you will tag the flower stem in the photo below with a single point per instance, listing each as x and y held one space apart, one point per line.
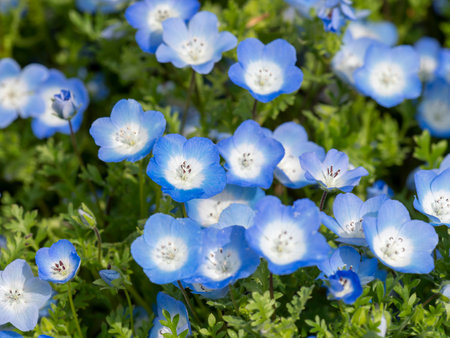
183 206
188 302
130 308
254 111
74 313
138 298
99 244
322 200
233 300
271 285
141 189
188 102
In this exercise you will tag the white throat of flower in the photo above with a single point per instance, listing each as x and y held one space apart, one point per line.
436 112
353 229
393 248
159 14
290 165
196 50
246 161
12 296
60 269
264 77
428 65
184 173
347 287
130 138
170 253
387 78
13 93
347 62
438 205
221 263
332 177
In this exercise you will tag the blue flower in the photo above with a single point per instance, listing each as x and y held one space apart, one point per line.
129 134
295 142
443 70
63 105
147 17
48 123
333 172
207 211
18 91
225 258
22 295
174 307
266 71
428 50
304 6
345 285
334 14
287 237
59 263
251 156
109 276
199 44
389 75
433 112
169 249
7 5
380 187
433 195
402 244
236 214
200 289
187 169
446 291
101 6
10 334
349 212
380 31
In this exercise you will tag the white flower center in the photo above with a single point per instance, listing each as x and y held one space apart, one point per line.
290 165
184 173
393 248
428 65
60 270
441 206
195 51
170 253
221 264
264 77
347 287
387 78
13 296
331 177
437 113
246 161
160 14
354 229
12 93
127 136
347 63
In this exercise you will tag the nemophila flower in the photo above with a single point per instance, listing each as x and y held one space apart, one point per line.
443 70
59 263
48 123
109 276
207 211
345 285
187 169
333 172
295 142
428 49
446 291
18 91
101 6
169 249
236 214
335 13
64 105
147 17
199 44
251 156
403 244
174 307
129 134
22 295
380 31
379 187
349 212
200 289
433 112
287 237
389 75
433 195
225 258
2 242
304 6
8 5
97 87
266 71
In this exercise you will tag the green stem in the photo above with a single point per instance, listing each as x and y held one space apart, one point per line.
254 110
188 302
99 244
322 200
138 298
141 189
233 300
188 102
130 308
9 39
74 313
183 206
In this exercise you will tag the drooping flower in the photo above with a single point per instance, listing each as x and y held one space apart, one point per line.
129 134
18 91
266 71
433 112
59 263
207 211
350 212
379 187
345 285
389 75
380 31
109 276
49 123
251 156
225 258
147 17
335 13
22 295
199 44
169 249
433 195
187 169
63 105
403 244
287 237
295 142
428 50
174 307
333 172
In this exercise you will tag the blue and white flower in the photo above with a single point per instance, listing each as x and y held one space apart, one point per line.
18 91
63 105
379 187
174 307
207 211
295 142
443 70
199 44
59 263
345 285
266 71
147 17
22 295
402 244
236 214
209 293
304 6
251 156
187 169
109 276
389 75
428 49
433 112
169 249
333 172
101 6
49 123
335 13
380 31
129 134
350 212
287 237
